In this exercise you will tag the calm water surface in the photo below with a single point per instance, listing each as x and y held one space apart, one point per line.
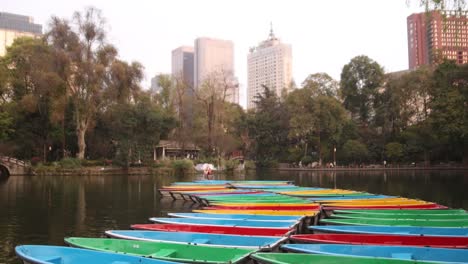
45 209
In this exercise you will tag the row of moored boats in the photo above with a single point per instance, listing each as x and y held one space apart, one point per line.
276 222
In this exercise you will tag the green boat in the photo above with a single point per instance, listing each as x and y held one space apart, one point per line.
402 216
396 222
166 251
400 211
294 258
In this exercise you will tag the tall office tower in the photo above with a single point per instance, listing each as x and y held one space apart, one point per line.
269 64
214 58
182 64
437 35
13 26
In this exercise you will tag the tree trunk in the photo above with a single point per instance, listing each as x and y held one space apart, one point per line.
80 133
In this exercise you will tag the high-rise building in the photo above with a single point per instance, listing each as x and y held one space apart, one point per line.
13 26
437 35
183 64
269 64
155 84
214 58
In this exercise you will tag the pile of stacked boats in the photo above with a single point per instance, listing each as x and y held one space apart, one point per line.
277 222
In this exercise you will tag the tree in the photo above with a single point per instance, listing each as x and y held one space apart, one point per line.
321 84
354 150
449 111
394 151
316 116
268 128
360 80
34 86
212 95
88 59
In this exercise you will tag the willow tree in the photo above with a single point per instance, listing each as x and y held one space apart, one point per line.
87 59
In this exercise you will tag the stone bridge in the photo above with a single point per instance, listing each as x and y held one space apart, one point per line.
11 166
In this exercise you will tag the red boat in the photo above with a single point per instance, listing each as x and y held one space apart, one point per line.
396 240
265 207
245 231
383 207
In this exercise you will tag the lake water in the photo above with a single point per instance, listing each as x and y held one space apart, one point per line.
45 209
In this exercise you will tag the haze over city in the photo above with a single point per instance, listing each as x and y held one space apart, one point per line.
324 35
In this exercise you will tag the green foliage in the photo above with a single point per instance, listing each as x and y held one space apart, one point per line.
394 151
6 125
70 163
249 165
306 160
182 166
268 127
360 80
231 165
355 151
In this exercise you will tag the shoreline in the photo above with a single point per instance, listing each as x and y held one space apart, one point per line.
98 171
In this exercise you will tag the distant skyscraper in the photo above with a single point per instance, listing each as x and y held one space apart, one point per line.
183 64
269 64
216 57
13 26
436 35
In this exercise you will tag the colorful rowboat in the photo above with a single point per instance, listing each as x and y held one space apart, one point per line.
402 216
261 212
243 231
443 255
397 200
165 251
258 203
274 218
36 254
214 240
372 196
265 207
367 239
393 212
391 230
396 222
294 258
220 222
385 207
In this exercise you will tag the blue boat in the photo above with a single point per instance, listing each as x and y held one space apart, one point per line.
319 199
222 222
214 240
250 217
393 230
439 255
38 254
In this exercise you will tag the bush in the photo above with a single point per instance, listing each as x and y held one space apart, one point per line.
249 165
306 160
93 163
35 161
70 163
231 165
182 166
266 164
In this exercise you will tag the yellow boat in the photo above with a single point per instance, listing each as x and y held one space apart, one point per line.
321 192
273 204
260 212
415 202
369 200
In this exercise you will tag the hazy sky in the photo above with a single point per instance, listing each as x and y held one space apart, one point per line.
324 34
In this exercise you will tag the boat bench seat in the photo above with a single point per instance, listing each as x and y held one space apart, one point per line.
408 256
200 241
164 253
54 260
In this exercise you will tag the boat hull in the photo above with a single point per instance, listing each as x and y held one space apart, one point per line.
366 239
244 231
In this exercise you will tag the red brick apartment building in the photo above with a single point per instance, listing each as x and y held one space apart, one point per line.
436 35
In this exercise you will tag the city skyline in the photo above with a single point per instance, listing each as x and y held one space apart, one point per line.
325 35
